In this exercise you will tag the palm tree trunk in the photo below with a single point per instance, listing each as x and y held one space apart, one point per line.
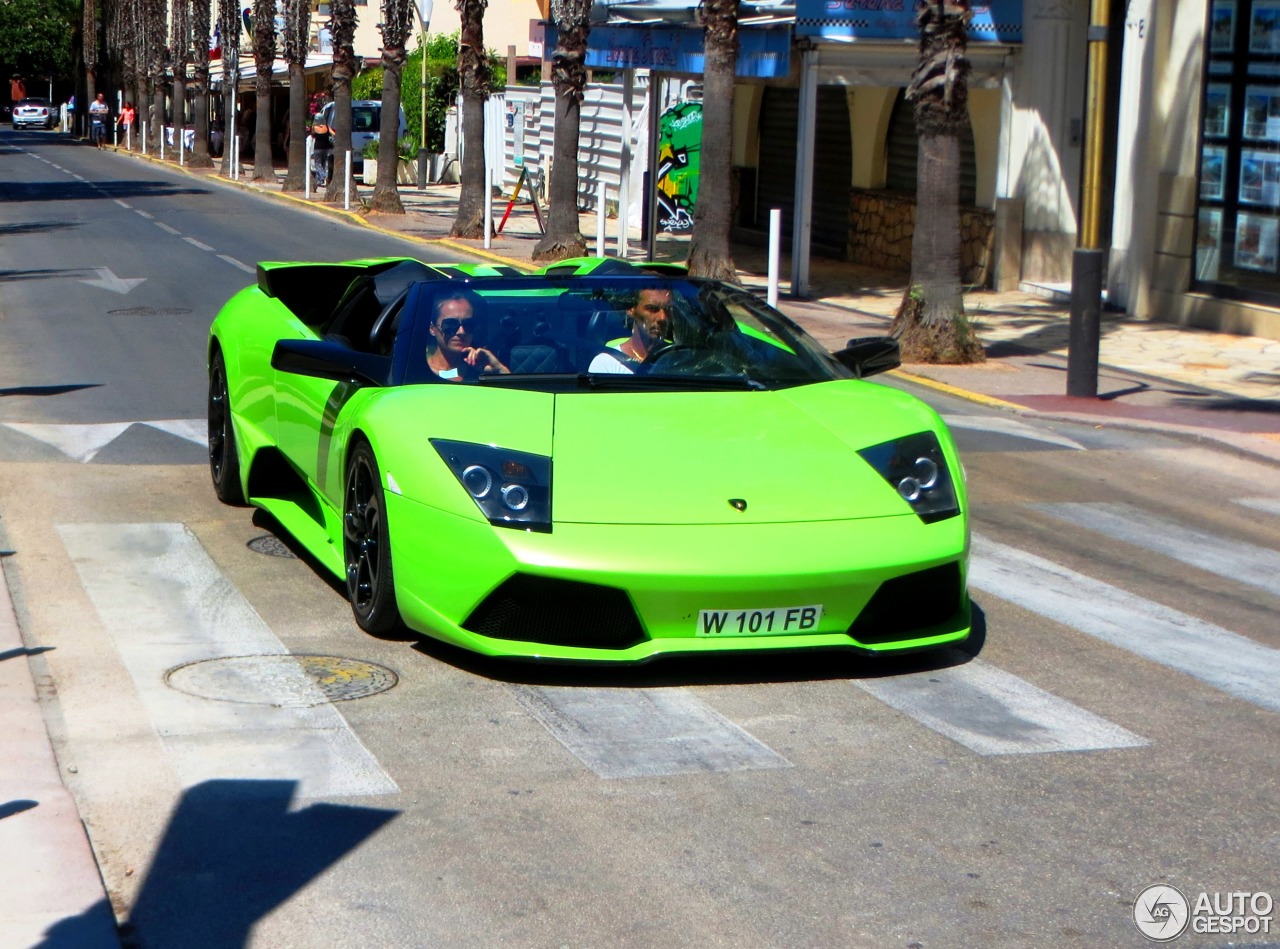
473 78
930 323
386 194
563 238
709 249
295 176
200 11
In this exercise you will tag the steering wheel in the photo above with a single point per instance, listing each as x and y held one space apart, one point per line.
662 351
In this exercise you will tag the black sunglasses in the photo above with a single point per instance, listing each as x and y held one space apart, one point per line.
450 325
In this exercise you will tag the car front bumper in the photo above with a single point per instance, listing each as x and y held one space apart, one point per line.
671 574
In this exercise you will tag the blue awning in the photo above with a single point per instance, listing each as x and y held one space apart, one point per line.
763 53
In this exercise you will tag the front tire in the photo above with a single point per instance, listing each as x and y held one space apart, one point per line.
366 544
224 458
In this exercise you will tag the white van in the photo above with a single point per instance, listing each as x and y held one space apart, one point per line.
366 125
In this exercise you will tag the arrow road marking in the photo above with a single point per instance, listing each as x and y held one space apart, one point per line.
109 281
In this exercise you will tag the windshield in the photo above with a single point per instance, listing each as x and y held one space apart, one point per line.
365 119
635 332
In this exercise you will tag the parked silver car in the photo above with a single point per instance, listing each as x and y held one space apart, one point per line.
366 126
35 113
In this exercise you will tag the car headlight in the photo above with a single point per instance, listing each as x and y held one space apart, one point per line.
511 488
917 470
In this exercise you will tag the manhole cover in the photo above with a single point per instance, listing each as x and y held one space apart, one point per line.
150 311
282 681
272 546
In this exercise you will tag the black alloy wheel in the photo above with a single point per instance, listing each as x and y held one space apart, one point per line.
367 547
224 459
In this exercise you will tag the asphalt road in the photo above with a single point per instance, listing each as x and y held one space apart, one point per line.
1112 725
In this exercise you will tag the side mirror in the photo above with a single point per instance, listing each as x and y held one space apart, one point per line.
324 359
868 355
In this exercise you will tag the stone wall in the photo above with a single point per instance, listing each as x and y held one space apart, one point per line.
881 224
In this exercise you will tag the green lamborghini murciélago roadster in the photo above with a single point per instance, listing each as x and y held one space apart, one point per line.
599 461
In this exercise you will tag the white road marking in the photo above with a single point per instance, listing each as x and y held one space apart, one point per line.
994 712
1010 426
195 243
1233 559
192 429
143 214
124 204
168 230
80 442
165 604
642 733
235 263
1223 659
1269 505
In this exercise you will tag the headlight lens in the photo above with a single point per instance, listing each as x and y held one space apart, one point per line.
916 469
511 488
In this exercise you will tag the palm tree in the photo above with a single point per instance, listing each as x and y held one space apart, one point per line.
473 78
90 43
709 252
569 74
123 36
344 70
297 24
200 10
153 16
229 32
264 57
180 47
930 324
397 17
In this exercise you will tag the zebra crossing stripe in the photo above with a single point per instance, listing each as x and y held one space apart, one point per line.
642 733
1216 656
1270 505
166 604
1233 559
993 712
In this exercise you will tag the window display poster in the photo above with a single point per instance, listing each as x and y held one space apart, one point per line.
1262 113
1222 26
1264 27
1208 243
1213 167
1260 177
1257 240
1217 109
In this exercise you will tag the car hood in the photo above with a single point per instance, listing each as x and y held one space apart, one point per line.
728 457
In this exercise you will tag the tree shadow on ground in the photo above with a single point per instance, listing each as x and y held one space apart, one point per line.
18 191
233 852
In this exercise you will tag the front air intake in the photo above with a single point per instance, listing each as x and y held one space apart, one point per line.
906 604
535 609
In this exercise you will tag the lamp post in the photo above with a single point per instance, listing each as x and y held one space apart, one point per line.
424 17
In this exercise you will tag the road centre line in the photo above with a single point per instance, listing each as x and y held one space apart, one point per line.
1216 656
235 263
1233 559
123 204
171 230
165 604
644 733
993 712
195 243
149 217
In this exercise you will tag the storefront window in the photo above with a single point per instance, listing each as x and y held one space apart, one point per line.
1238 224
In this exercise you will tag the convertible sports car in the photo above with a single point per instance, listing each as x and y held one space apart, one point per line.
740 488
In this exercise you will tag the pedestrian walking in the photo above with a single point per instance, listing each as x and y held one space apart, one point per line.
17 88
125 123
99 112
